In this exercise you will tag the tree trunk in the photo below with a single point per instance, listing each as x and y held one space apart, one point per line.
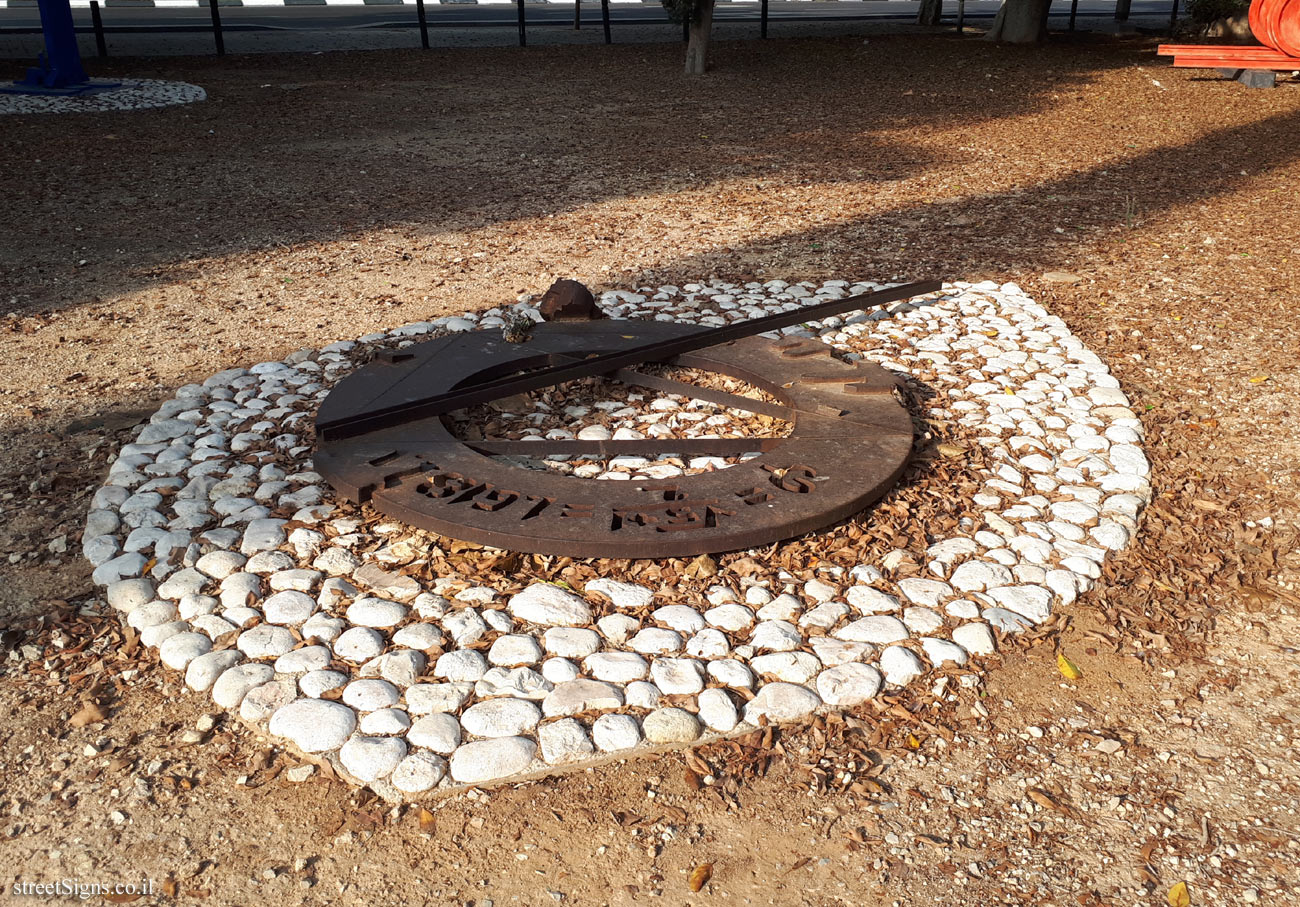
930 13
697 46
1020 22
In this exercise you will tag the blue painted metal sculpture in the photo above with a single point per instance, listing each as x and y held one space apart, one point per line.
59 70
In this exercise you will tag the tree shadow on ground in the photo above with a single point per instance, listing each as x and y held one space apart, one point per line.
1040 226
298 150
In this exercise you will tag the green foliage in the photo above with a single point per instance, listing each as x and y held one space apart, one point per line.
679 11
1203 12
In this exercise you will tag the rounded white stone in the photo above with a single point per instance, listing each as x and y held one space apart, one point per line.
922 620
616 667
976 576
418 636
375 612
924 591
418 772
303 660
265 641
385 722
178 651
1033 602
975 638
235 683
489 760
617 628
514 650
732 673
656 641
621 595
439 732
675 676
203 671
794 667
580 696
900 666
314 725
548 606
360 644
942 650
680 618
781 702
717 710
424 698
670 725
612 733
869 600
877 628
318 683
783 607
732 618
848 684
371 758
503 717
261 702
559 670
564 741
570 642
289 608
460 665
369 695
776 636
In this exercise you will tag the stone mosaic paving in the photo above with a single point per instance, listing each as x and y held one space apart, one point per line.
215 540
133 94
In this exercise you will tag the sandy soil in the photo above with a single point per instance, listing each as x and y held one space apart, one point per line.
318 197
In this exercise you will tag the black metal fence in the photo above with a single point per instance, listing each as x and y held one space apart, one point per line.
421 20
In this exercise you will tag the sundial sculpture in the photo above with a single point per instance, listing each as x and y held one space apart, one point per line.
381 437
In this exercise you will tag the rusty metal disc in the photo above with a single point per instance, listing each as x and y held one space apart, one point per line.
850 441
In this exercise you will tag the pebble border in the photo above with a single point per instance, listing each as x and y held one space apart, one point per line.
134 94
201 501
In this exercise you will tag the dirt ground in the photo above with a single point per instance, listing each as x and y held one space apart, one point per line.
318 197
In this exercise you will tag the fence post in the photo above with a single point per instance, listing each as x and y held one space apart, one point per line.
762 19
961 16
424 25
216 28
1122 8
1173 16
98 22
577 15
523 37
604 15
1074 11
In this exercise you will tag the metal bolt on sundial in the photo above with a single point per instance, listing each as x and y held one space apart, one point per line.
382 438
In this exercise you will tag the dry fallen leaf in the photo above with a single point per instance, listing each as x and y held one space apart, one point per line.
427 823
1045 800
1179 896
87 714
700 876
121 898
1069 670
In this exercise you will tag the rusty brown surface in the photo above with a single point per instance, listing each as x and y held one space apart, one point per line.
850 441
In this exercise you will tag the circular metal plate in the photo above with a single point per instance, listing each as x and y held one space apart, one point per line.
850 442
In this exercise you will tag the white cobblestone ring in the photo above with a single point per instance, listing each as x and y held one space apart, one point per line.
321 624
